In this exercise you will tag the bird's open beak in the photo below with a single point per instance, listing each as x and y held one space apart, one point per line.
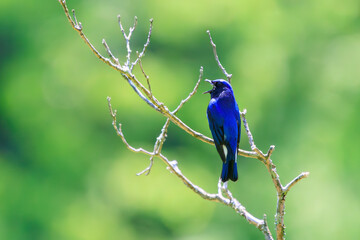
209 81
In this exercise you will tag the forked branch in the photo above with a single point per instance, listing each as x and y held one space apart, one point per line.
147 96
144 93
281 191
172 166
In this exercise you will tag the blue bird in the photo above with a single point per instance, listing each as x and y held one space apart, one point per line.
224 122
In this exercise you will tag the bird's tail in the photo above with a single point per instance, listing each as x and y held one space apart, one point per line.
229 171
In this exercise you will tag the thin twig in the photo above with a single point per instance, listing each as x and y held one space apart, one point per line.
270 151
266 229
142 53
120 133
157 147
115 60
247 129
228 76
127 38
148 169
190 94
78 27
294 181
145 75
151 104
77 24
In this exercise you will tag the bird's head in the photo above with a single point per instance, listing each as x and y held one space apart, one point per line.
219 86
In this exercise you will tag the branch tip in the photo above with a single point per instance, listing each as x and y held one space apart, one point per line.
294 181
135 23
228 76
270 151
192 93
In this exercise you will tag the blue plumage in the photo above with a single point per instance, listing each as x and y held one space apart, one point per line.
224 122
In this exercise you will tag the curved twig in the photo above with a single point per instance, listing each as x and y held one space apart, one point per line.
146 95
228 76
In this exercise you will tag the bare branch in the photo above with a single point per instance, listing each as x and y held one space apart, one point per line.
142 69
78 27
280 208
140 94
146 95
228 76
294 181
133 28
76 23
162 137
270 151
247 129
266 229
279 216
115 60
127 39
173 167
191 94
134 83
121 26
157 146
281 191
145 46
261 156
148 169
120 133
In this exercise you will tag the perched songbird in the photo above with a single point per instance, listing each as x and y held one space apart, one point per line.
224 122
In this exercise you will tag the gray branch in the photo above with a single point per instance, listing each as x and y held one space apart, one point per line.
191 94
142 70
228 76
281 191
145 94
172 166
127 38
115 60
139 88
142 53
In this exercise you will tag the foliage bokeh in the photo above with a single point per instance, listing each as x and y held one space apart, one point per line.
64 174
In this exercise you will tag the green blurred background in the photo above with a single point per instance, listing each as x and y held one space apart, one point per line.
64 174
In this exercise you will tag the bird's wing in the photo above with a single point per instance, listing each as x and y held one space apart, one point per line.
217 132
232 132
238 120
